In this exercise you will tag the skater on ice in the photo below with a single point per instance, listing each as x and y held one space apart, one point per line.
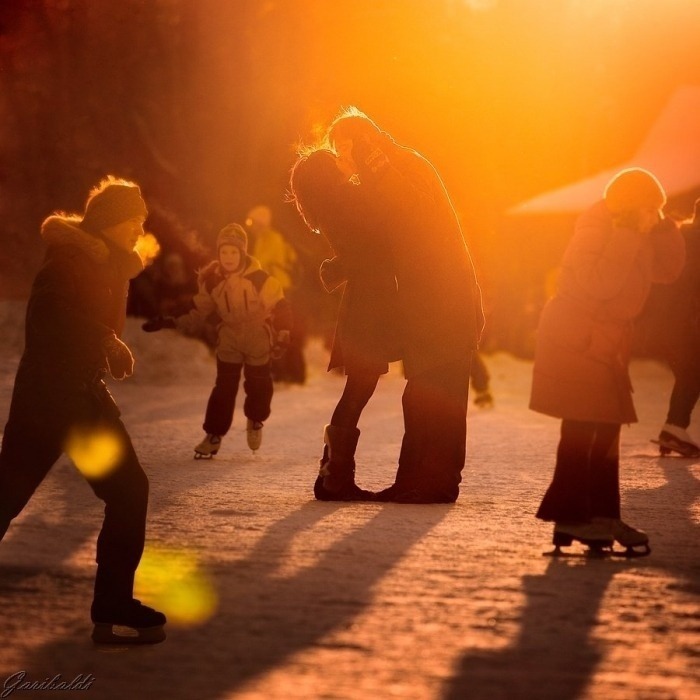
405 202
366 335
620 247
75 315
680 331
253 326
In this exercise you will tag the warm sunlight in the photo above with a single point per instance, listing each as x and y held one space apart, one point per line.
95 452
175 582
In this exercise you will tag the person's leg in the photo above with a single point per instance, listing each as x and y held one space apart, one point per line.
29 450
567 500
358 390
219 414
336 480
605 471
258 388
433 450
685 393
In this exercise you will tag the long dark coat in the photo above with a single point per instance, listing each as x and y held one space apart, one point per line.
77 300
439 300
367 334
585 332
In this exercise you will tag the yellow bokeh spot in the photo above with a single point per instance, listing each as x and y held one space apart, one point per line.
94 452
173 581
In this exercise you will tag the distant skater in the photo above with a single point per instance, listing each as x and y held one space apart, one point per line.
621 246
366 336
75 315
679 330
253 325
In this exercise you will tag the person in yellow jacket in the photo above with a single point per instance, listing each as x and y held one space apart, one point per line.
279 258
254 323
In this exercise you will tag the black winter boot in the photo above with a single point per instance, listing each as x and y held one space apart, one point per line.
336 477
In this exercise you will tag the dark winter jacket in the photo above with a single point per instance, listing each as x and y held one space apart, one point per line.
366 335
78 299
438 296
585 332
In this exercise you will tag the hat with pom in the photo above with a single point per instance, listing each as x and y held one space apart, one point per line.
233 234
111 203
634 188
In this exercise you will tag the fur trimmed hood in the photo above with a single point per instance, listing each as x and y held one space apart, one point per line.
60 230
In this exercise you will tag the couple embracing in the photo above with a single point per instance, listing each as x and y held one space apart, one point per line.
410 294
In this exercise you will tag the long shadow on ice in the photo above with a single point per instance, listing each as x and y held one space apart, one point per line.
265 615
555 655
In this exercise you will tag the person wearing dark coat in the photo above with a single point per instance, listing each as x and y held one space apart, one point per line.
365 338
620 247
75 315
679 329
439 302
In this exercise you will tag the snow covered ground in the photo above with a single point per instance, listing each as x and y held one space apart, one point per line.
274 596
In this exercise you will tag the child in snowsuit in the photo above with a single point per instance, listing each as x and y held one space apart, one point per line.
75 316
254 322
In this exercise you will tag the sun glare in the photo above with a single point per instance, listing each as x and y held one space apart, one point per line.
174 582
95 452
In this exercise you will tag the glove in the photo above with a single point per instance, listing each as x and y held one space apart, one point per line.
332 274
369 158
281 345
119 358
158 322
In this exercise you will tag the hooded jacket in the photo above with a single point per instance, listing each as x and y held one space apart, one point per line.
77 300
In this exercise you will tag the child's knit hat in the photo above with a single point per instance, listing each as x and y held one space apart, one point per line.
233 234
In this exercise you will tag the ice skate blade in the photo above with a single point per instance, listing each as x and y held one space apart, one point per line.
104 633
597 551
665 449
632 553
203 455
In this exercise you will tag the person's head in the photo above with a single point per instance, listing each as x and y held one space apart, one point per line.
314 186
349 127
635 192
116 211
259 218
231 247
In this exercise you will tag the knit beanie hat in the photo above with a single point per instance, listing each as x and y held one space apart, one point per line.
634 188
112 202
233 234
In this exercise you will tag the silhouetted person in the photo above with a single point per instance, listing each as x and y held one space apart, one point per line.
75 316
621 245
439 302
366 334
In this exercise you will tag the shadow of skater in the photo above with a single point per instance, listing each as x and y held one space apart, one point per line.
264 616
555 655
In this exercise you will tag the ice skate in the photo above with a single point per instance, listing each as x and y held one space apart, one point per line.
253 434
672 438
208 447
635 542
127 623
596 536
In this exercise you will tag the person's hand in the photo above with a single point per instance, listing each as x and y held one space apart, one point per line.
157 322
281 344
119 358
